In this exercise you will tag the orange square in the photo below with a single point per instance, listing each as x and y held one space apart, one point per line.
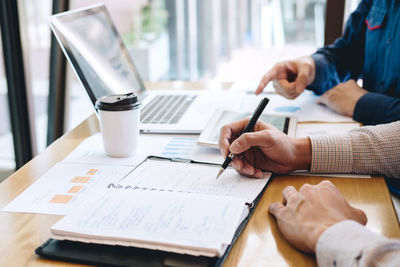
61 199
75 189
80 179
92 172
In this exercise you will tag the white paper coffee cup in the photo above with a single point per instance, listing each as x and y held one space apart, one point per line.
119 117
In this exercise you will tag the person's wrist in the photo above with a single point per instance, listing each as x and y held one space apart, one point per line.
314 236
302 159
311 63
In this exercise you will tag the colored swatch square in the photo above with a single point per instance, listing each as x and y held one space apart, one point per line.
92 172
80 179
75 189
61 199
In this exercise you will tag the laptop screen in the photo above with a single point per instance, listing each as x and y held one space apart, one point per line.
96 52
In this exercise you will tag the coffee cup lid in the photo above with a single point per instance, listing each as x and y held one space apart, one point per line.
119 102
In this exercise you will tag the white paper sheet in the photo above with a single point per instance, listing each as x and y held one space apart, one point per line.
316 129
91 150
38 198
154 175
66 186
304 107
250 86
136 218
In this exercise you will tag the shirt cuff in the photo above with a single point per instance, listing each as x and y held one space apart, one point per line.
343 244
331 154
370 109
321 63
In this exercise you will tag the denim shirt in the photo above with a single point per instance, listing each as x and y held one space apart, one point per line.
370 50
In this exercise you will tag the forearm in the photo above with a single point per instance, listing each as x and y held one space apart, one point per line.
370 150
326 73
350 244
375 108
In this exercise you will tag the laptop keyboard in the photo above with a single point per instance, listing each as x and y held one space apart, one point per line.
166 109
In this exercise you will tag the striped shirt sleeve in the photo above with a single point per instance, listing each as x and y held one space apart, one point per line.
369 150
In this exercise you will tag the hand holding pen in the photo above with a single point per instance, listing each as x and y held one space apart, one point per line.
265 148
260 108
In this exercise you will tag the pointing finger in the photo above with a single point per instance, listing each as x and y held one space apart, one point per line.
266 79
277 72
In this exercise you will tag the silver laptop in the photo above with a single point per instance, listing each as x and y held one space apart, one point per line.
103 65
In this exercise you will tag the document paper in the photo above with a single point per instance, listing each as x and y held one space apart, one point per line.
304 107
176 222
91 150
318 129
56 192
166 205
155 175
66 186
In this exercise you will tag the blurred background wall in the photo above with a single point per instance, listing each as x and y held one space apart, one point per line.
219 40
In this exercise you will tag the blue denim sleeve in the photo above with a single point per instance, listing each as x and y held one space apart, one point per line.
342 60
375 108
325 74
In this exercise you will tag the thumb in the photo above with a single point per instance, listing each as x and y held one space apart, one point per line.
246 141
322 99
301 80
360 216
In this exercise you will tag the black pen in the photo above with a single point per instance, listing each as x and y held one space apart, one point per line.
260 108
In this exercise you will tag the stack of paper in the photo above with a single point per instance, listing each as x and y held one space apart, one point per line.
166 205
175 222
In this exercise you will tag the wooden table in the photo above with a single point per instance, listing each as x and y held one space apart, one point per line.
260 244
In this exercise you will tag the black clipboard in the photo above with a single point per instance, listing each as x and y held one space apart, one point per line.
108 255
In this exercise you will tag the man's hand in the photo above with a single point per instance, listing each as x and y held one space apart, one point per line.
343 97
290 78
305 215
265 149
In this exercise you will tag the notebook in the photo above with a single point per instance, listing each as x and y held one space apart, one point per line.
103 65
167 205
